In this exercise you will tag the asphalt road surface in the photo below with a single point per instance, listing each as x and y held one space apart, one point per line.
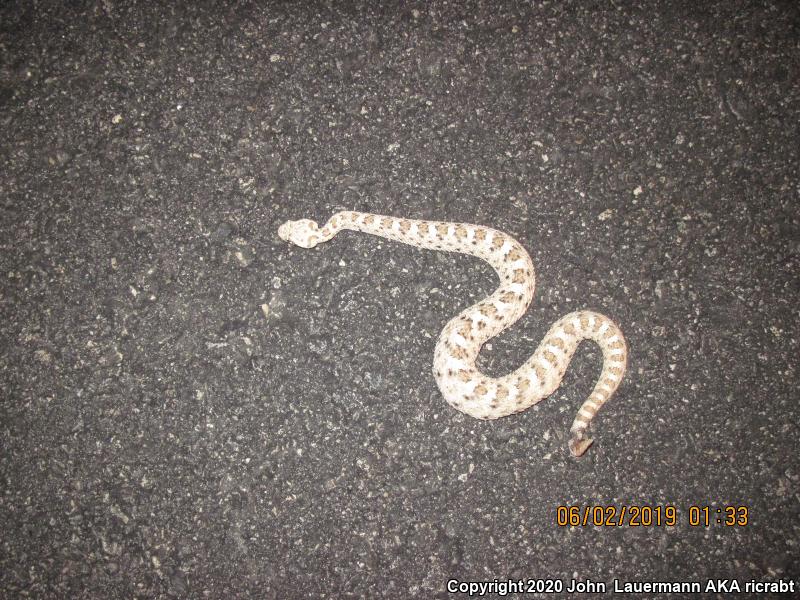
192 408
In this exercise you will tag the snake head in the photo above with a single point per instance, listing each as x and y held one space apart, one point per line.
303 233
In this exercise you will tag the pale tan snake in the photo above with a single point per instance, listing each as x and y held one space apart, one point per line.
461 384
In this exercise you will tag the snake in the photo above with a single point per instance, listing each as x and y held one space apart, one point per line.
463 386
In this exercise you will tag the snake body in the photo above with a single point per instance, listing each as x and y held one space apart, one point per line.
462 385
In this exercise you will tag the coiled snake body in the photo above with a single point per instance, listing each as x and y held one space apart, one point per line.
461 384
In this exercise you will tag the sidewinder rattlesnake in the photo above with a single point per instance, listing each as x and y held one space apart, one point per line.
461 384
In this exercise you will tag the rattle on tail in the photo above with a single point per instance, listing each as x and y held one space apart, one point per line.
462 385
